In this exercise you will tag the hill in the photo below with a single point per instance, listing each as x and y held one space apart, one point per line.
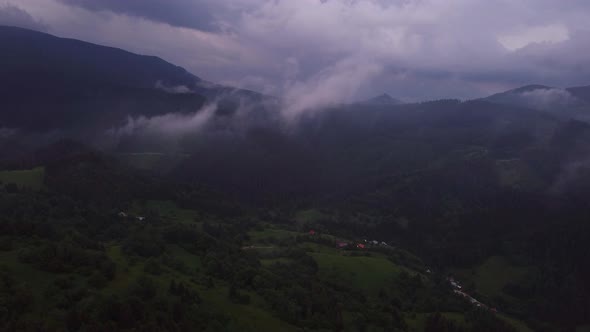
565 103
102 247
72 61
81 88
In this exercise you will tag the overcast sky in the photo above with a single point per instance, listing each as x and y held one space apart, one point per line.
339 50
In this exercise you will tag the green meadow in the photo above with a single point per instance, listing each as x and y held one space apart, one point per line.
31 179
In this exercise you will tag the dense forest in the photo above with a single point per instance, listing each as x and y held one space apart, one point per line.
98 247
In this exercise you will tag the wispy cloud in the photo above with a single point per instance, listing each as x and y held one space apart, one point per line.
546 98
177 89
13 15
335 84
167 125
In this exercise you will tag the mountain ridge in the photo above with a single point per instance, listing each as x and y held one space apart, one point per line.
85 85
382 99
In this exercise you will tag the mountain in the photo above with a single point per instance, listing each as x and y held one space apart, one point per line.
530 96
59 84
70 62
384 99
566 103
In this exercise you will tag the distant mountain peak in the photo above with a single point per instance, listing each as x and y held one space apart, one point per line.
501 96
383 99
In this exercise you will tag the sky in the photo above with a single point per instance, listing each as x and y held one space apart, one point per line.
326 51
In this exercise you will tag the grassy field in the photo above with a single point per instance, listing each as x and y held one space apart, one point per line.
318 248
126 274
491 276
277 234
32 179
365 273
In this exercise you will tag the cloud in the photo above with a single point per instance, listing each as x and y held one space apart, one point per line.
218 57
179 89
171 125
335 84
206 15
547 98
554 33
423 48
14 16
183 13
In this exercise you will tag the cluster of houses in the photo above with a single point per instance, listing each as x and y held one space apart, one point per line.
345 245
458 289
127 216
365 244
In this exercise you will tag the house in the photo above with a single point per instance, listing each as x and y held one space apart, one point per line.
360 246
374 242
384 244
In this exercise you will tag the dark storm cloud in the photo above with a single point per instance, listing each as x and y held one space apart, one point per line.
316 52
205 15
14 16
